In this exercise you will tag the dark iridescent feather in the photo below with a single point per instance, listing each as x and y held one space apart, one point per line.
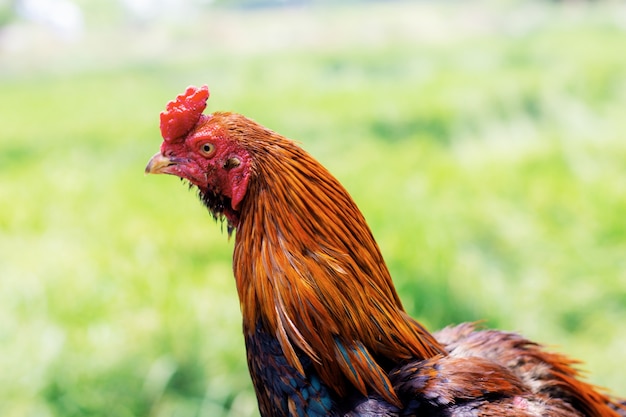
325 331
282 390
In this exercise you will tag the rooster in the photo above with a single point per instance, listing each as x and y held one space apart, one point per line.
325 330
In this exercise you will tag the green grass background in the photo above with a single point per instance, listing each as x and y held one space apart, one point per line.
484 142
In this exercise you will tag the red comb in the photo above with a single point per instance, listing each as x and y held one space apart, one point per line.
182 114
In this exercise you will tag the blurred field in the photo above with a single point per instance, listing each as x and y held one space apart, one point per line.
485 143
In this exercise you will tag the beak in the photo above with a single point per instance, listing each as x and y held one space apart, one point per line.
157 164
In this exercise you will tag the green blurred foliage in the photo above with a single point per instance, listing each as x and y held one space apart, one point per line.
485 145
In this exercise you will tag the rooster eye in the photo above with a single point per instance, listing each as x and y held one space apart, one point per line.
207 149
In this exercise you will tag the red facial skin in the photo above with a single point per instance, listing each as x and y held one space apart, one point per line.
210 161
197 147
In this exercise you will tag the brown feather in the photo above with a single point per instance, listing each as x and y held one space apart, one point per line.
544 373
315 293
322 280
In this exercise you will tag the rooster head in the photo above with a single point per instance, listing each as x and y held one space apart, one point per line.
202 149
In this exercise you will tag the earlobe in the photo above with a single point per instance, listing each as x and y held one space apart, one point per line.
238 171
239 183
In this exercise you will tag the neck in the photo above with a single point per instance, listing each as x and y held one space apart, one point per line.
309 272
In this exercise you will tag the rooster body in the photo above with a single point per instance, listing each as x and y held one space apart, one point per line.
325 331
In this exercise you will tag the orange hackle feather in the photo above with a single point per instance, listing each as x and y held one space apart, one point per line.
310 274
307 267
